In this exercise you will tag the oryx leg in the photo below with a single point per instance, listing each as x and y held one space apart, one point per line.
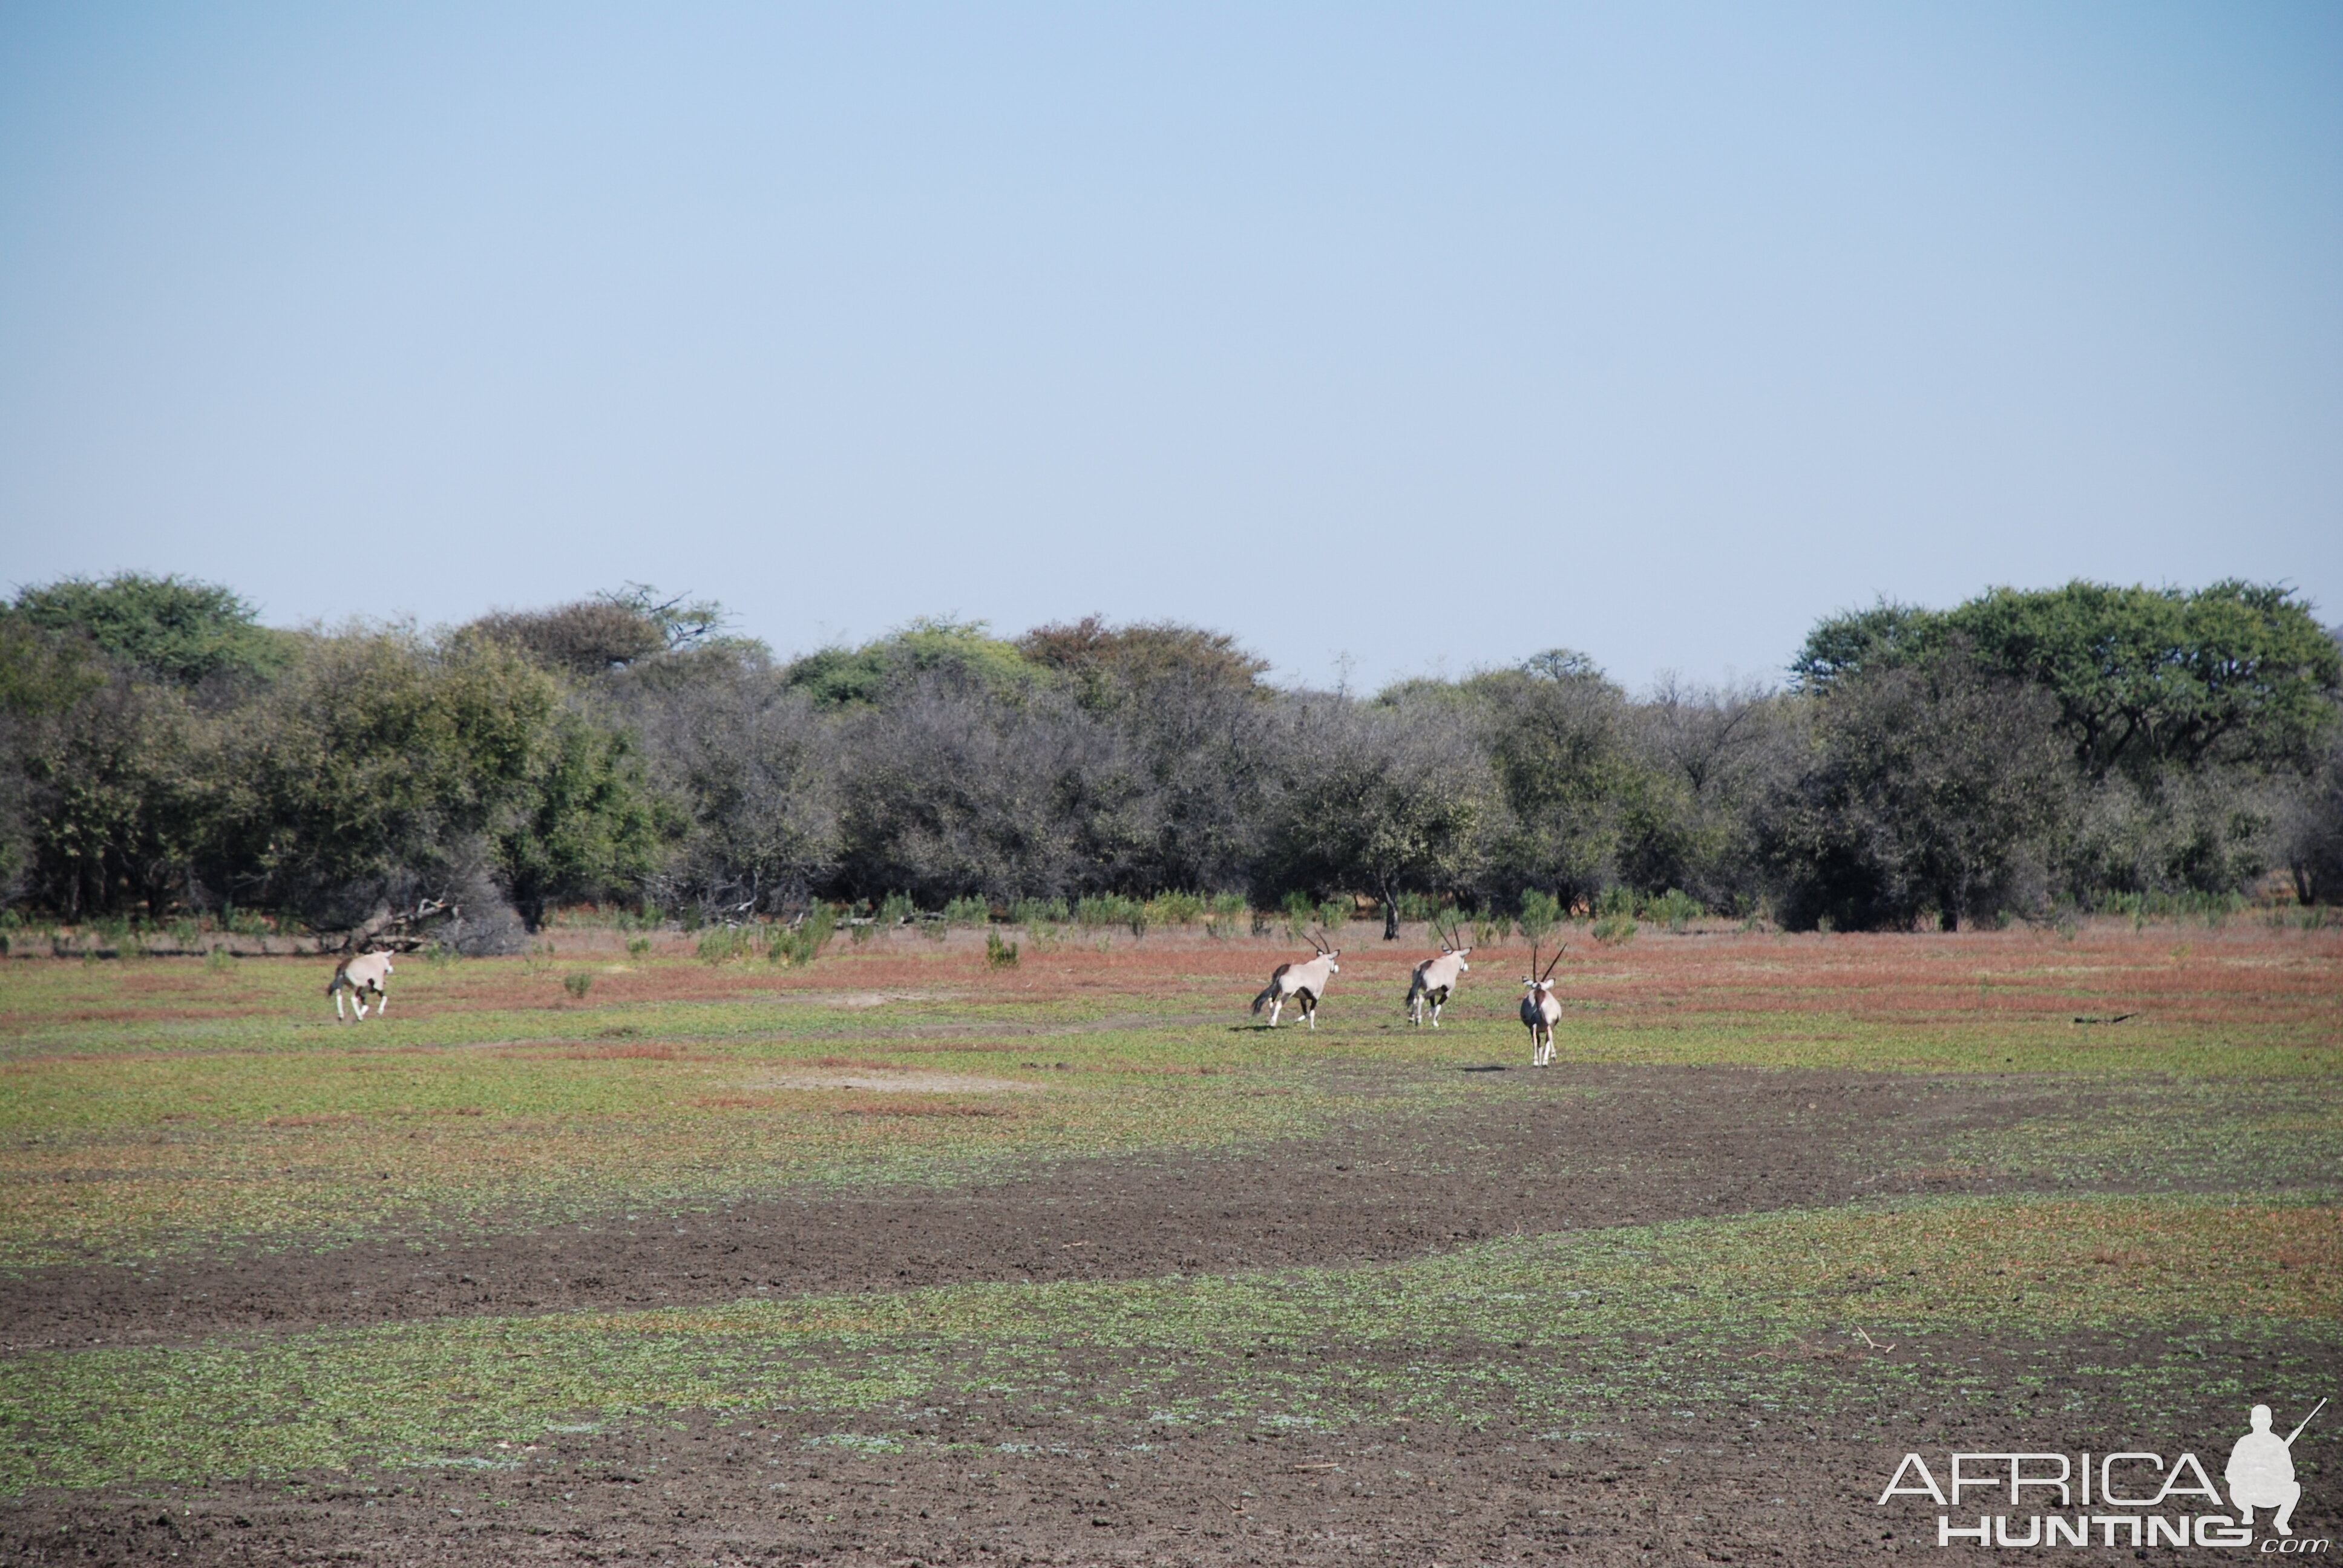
381 1002
1276 1005
340 1016
357 995
1309 1009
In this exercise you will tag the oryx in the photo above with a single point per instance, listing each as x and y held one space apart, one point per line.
1306 981
1539 1010
1434 978
358 975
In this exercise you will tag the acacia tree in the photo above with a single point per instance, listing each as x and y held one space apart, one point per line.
1554 732
1391 800
957 788
380 765
168 628
748 768
2310 831
2144 679
1936 787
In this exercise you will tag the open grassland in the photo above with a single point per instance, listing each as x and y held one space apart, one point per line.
160 1105
1674 1315
1959 1192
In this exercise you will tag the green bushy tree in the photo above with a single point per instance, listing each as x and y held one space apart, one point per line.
2143 677
167 628
1383 801
1935 788
865 677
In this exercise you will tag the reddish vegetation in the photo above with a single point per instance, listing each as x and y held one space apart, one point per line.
2183 975
2179 975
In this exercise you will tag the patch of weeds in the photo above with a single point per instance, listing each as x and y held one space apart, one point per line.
1614 929
722 944
998 954
577 982
2192 1133
1674 908
1034 913
800 942
1540 917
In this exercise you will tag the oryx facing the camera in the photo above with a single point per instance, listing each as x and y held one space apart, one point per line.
1539 1010
1305 982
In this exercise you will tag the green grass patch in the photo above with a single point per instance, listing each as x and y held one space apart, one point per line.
163 1106
1686 1315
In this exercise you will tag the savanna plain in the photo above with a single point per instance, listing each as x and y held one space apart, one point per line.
907 1256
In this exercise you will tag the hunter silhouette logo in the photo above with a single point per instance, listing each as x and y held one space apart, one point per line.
2127 1498
2261 1471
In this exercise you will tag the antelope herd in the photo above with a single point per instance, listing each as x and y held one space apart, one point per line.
1430 986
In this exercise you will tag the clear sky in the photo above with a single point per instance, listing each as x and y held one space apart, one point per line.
1429 336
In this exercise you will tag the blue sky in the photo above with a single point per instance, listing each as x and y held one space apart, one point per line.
1422 337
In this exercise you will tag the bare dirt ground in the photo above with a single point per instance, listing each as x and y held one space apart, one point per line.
1790 1492
1580 1147
1575 1148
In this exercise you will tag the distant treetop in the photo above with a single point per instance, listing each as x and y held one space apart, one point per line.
2141 675
586 638
172 628
1108 662
612 630
858 677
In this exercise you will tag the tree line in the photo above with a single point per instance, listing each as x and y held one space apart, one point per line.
162 753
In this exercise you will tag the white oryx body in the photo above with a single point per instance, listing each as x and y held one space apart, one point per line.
1305 982
358 975
1433 980
1540 1011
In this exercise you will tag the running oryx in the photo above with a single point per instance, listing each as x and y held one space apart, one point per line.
1434 978
1539 1010
358 975
1305 981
